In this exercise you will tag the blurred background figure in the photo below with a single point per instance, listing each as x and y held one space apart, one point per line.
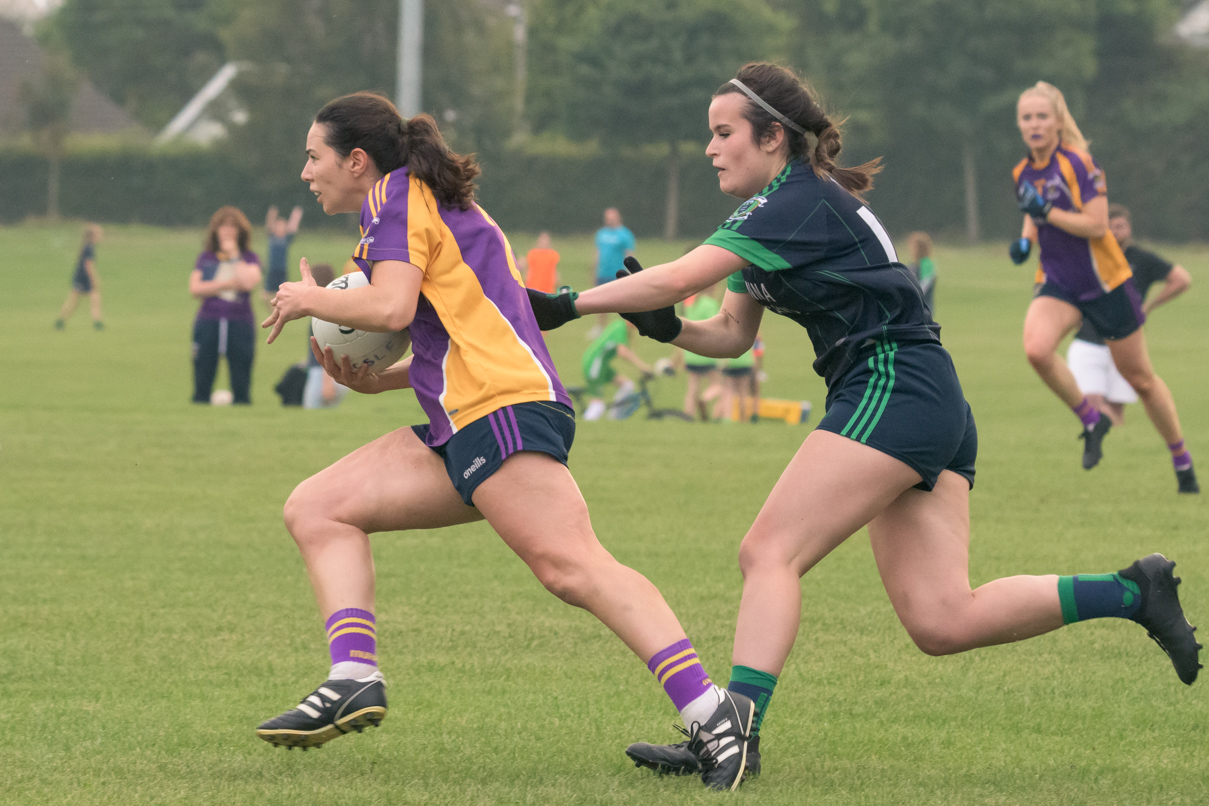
740 397
541 265
1088 356
703 386
920 244
612 343
223 279
321 390
614 242
281 234
85 280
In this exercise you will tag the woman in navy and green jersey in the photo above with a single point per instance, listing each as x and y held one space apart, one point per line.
896 448
1083 274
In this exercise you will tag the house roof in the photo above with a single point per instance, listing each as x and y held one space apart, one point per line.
1193 27
22 58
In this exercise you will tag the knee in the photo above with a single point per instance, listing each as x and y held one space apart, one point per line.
567 577
302 513
1143 380
1038 353
758 552
937 639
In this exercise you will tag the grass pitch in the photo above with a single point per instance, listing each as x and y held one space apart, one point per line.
154 610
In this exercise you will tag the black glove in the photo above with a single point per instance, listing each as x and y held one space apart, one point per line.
661 324
1032 203
1019 249
553 310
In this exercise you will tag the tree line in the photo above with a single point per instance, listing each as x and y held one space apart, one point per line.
930 85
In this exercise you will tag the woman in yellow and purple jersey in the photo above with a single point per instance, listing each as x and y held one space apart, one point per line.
1083 274
500 423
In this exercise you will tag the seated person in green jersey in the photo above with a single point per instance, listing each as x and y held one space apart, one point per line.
613 342
702 371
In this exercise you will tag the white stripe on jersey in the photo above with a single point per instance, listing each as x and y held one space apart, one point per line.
880 231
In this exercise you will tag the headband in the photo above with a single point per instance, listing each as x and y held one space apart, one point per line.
767 108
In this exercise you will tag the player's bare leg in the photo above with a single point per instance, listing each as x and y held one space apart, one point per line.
395 482
832 487
1133 362
921 544
1047 322
562 551
69 307
564 554
1045 325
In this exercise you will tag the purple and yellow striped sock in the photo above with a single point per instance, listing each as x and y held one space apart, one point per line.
1088 414
1180 457
352 636
679 671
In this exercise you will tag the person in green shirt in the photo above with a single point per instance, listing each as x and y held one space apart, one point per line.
739 388
612 343
702 371
923 267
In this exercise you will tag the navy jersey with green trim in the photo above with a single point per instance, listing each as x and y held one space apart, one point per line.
819 256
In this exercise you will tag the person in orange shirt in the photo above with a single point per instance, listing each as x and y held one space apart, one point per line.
542 261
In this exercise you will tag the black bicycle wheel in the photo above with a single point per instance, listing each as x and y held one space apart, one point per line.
675 414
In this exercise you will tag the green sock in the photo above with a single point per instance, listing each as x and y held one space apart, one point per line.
1087 596
757 686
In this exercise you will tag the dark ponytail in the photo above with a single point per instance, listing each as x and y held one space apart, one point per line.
371 122
780 88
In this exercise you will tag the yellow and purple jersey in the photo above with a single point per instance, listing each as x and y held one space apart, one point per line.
476 344
1084 267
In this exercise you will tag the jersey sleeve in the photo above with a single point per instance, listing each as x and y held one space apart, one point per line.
394 226
776 231
1150 268
250 257
1091 178
630 244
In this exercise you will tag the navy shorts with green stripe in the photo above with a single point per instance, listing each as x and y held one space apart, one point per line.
477 450
906 402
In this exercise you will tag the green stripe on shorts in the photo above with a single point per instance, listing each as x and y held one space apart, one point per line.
877 394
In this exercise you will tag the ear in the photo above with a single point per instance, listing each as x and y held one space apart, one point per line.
358 161
774 139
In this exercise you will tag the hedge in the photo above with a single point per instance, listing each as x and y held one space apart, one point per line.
521 191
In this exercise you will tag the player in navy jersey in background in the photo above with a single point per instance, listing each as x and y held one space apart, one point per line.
896 448
1083 274
85 280
280 232
1088 357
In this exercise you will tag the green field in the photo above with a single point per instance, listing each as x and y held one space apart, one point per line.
153 609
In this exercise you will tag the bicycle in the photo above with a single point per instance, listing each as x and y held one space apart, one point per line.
626 406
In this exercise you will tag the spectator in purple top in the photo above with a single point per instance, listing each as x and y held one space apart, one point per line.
222 278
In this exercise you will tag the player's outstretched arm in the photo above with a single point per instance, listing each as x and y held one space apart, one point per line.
662 285
660 324
729 334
